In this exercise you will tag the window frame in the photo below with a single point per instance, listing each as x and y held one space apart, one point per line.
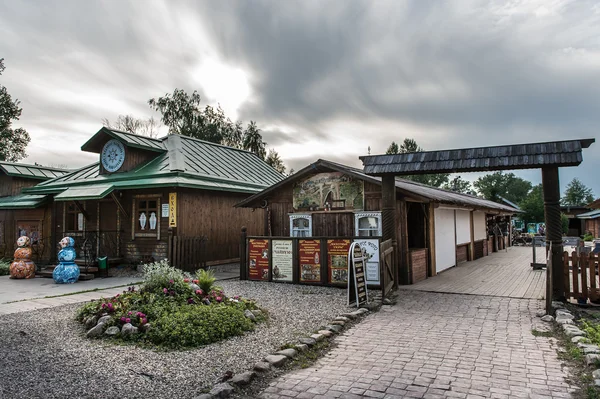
296 216
76 232
362 215
135 230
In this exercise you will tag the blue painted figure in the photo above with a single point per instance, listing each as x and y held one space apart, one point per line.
67 272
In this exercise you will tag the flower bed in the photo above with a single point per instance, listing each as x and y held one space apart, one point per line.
171 310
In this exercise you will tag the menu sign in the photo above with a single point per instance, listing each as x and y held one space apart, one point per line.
370 249
357 285
258 258
310 260
282 260
337 261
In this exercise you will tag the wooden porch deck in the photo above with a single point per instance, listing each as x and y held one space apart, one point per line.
504 274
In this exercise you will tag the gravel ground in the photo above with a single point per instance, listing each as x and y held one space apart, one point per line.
44 353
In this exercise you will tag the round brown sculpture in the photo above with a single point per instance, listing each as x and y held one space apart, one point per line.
22 267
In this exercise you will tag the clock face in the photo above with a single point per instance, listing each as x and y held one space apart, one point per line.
113 155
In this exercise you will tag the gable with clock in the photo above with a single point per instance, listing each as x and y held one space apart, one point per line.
112 155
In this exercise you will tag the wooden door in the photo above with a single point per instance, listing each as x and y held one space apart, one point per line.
108 234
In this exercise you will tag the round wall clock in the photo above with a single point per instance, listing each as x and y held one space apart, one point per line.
113 155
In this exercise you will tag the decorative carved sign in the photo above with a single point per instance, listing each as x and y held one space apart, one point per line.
329 191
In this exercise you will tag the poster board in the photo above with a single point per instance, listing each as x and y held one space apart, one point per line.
282 260
258 260
357 285
309 255
337 261
370 249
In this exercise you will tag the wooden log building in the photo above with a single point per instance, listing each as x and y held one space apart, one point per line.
437 228
148 199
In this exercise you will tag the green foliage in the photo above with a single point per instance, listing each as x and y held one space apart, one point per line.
538 333
577 194
533 206
564 220
191 326
161 275
592 331
253 141
500 184
12 141
4 267
275 161
588 236
459 185
408 146
206 279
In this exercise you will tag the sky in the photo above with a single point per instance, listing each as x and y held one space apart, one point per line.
322 79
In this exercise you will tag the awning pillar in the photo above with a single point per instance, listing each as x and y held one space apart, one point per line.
388 216
551 189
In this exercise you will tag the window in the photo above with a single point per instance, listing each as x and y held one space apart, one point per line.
300 225
367 224
146 216
74 220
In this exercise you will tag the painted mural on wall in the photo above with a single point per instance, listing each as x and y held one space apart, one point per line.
329 191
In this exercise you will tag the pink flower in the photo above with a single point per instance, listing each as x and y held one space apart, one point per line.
219 299
165 290
199 292
236 297
186 280
195 281
143 321
129 313
171 281
123 319
128 320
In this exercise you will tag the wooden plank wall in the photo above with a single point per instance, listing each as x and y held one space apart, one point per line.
9 220
212 214
13 185
133 158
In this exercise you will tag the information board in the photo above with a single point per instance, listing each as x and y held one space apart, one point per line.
310 260
337 261
282 260
258 258
357 285
370 249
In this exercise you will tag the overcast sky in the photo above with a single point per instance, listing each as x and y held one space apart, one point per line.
323 79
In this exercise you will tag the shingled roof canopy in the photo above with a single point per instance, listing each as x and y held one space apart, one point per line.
518 156
30 171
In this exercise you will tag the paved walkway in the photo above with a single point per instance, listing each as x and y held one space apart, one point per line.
434 345
504 273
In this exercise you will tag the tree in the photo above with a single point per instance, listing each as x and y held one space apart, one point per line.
180 112
505 185
12 141
275 161
533 206
128 123
410 145
459 185
577 194
253 141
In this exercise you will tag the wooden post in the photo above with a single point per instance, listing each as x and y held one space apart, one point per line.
388 216
432 268
551 189
243 251
170 247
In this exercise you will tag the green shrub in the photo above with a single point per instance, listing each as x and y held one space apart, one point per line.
592 331
4 267
192 326
206 279
160 275
588 236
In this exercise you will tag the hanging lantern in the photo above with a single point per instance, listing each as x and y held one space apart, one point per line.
143 220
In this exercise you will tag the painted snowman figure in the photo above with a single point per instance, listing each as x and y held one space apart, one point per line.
22 267
67 272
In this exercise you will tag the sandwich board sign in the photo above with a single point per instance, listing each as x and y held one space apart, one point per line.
357 285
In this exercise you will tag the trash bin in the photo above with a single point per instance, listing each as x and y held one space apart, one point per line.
103 266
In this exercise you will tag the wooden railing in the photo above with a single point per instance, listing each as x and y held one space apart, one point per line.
581 276
387 270
187 253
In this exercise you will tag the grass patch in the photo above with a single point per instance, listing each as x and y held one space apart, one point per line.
538 333
4 267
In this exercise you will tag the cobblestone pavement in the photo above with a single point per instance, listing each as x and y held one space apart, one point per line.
432 345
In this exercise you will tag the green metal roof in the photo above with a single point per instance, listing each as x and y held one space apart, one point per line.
88 192
187 162
95 143
22 201
31 171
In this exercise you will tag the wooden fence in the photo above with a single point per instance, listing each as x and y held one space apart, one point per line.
187 253
581 276
387 267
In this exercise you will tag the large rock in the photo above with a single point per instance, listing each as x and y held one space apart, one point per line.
257 312
349 315
548 318
386 302
128 329
145 327
243 378
596 374
363 310
342 318
250 315
577 338
104 319
318 337
338 323
572 331
96 331
540 313
301 347
222 390
289 353
112 331
91 322
262 367
591 358
194 287
564 321
325 333
558 305
276 360
564 314
336 328
307 341
591 349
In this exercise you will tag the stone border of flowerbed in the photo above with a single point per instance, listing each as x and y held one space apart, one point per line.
280 358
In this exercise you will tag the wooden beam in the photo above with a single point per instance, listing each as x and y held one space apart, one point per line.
552 212
82 210
431 230
121 208
472 246
388 216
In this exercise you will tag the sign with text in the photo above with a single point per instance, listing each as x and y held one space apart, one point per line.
370 249
258 258
337 261
172 209
282 260
357 285
164 210
310 260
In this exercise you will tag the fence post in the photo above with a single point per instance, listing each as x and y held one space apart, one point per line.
243 251
170 247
